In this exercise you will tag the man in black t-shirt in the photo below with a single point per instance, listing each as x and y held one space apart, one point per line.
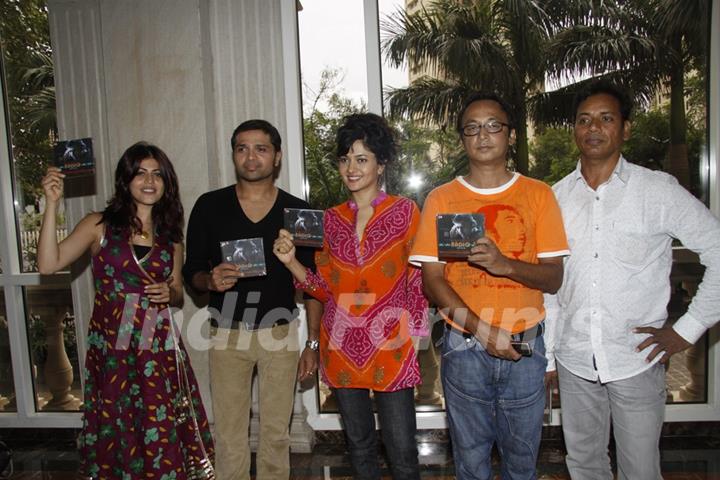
252 318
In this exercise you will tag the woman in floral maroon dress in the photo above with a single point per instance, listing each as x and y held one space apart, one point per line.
143 416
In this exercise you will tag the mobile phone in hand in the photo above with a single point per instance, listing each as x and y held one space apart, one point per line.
523 348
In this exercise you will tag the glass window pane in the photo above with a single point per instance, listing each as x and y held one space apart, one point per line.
669 133
29 221
30 102
430 153
425 162
7 385
53 347
686 374
334 79
429 395
328 41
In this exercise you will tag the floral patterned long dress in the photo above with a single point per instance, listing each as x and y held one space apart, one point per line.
138 409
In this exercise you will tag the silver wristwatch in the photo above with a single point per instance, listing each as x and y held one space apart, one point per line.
313 345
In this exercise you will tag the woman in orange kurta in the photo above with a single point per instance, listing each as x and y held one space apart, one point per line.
373 301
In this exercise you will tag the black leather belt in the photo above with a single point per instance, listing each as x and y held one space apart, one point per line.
529 334
250 327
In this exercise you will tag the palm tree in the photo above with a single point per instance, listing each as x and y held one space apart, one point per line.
512 46
319 127
495 45
33 113
681 25
39 80
597 40
29 89
642 44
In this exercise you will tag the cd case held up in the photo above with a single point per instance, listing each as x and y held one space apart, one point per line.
458 232
305 225
247 253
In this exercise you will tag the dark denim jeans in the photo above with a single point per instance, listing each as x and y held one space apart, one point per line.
489 400
396 412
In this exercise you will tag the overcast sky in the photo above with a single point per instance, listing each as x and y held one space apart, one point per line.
332 35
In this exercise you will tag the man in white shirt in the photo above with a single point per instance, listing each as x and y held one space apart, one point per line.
609 334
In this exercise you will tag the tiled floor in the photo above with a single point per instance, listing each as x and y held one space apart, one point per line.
689 451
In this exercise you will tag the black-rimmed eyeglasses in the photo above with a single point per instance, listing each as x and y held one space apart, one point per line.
493 126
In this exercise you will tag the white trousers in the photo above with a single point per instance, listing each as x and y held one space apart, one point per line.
636 407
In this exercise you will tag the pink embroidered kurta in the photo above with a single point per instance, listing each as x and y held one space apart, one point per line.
373 298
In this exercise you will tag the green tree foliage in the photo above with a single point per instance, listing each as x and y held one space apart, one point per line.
464 46
651 135
649 45
30 91
434 154
513 46
555 154
321 120
649 140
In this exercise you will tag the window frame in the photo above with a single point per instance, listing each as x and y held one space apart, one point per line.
13 280
709 411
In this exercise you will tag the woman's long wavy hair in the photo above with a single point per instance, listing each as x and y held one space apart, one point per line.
121 211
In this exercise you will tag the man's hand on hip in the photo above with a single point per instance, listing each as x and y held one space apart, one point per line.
666 340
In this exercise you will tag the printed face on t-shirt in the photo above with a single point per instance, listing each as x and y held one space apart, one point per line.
506 227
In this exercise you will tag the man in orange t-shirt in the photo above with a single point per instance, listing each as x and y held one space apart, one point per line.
492 300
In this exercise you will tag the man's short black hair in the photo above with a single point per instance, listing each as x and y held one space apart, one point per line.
479 96
609 88
257 124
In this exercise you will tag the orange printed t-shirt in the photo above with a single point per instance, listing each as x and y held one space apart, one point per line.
522 217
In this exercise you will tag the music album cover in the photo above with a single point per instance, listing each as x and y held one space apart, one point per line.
75 159
246 253
305 225
458 232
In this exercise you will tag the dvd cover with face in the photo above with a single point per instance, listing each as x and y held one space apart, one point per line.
458 232
305 225
75 159
247 253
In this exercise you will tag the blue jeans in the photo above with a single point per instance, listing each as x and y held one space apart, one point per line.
396 412
489 400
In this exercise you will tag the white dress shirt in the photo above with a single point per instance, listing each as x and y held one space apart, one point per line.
617 276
